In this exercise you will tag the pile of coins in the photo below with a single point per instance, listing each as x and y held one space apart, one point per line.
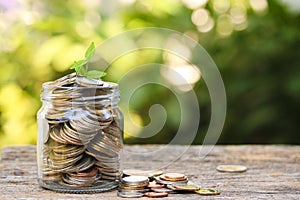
82 134
133 186
136 184
171 178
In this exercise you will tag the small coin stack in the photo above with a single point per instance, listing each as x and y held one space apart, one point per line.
161 185
84 139
171 178
133 186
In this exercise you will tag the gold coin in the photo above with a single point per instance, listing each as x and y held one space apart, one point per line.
173 177
207 191
231 168
162 181
185 187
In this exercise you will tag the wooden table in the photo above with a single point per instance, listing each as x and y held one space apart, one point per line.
273 171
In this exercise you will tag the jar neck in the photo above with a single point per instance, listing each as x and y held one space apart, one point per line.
103 95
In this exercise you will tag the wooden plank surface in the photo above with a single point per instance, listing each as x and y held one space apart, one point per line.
273 171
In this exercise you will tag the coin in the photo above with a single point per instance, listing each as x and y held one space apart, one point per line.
207 191
83 178
155 185
85 163
83 81
163 190
63 163
162 181
132 187
130 194
185 187
50 178
155 173
63 80
156 194
135 179
173 177
133 184
231 168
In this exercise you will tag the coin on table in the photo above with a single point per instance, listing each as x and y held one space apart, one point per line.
163 190
155 194
130 194
135 179
135 188
164 182
231 168
173 177
185 187
155 173
207 191
155 185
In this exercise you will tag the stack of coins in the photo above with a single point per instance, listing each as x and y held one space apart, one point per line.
84 138
171 178
162 185
133 186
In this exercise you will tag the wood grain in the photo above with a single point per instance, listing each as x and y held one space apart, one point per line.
273 171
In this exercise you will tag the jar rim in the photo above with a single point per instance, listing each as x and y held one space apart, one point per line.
51 85
112 97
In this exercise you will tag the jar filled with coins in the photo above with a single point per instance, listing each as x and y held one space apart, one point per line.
80 135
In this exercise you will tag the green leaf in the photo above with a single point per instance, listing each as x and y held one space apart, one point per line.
78 64
90 52
81 71
95 74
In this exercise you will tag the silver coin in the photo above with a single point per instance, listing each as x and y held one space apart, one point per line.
81 178
88 82
86 162
130 194
163 190
135 180
64 80
133 189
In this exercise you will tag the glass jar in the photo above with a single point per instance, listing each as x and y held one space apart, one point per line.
80 135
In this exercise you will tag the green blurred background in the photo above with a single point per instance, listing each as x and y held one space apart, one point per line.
255 44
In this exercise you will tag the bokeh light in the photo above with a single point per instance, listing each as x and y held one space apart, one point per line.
193 4
259 5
